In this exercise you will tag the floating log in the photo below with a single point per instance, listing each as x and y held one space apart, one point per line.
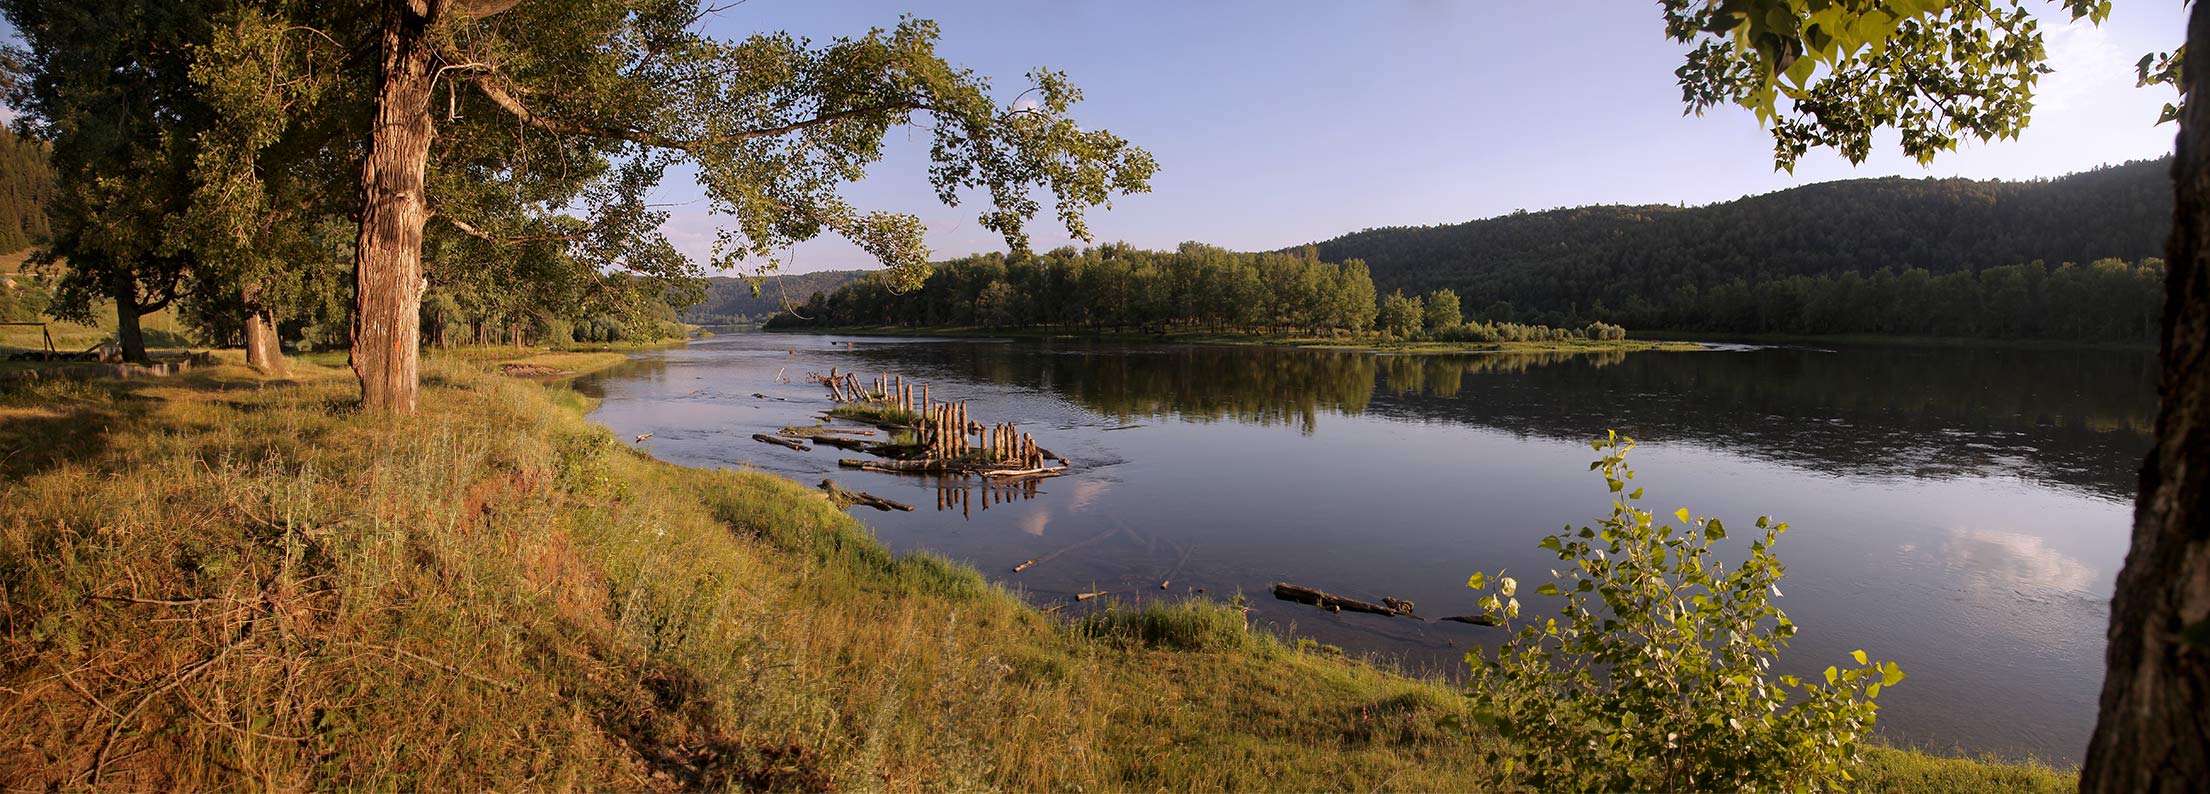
781 441
1325 600
642 436
1478 620
1088 596
862 498
1053 608
1051 471
1023 566
840 442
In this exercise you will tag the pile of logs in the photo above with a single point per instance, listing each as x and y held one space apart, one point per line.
946 437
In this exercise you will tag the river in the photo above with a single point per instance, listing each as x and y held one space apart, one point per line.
1960 510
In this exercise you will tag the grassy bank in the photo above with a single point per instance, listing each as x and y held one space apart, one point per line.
225 580
1372 342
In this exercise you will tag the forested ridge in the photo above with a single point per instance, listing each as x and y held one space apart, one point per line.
1959 259
731 300
26 184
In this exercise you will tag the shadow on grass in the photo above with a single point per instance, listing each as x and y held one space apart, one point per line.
49 423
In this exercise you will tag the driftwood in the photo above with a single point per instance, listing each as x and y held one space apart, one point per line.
1087 596
1478 620
642 436
1023 566
781 441
1177 567
1332 602
841 442
862 498
1049 471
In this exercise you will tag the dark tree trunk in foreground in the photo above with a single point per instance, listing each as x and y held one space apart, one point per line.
263 351
2154 730
128 335
387 265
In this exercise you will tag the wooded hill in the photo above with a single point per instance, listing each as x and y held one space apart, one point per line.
1809 259
731 300
26 183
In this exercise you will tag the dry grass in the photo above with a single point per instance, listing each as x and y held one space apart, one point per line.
225 581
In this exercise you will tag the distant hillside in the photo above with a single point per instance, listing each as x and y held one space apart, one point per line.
731 300
26 184
1758 263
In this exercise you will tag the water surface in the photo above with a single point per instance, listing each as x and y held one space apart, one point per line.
1960 510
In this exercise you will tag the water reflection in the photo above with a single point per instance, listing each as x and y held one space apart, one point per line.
1994 563
2074 417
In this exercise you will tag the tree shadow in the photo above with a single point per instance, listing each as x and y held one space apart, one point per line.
34 439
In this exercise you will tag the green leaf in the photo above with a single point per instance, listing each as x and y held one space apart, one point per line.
1832 673
1477 581
1547 588
1713 530
1859 655
1891 674
1681 514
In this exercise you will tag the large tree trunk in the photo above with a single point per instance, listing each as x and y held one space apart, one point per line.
263 351
2154 730
387 265
128 335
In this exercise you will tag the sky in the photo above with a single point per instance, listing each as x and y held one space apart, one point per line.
1283 122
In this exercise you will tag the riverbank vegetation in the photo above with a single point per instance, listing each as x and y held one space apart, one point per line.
1195 293
227 579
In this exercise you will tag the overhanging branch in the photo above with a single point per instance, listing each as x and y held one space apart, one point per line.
507 101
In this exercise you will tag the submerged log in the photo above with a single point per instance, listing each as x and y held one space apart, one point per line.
862 498
1325 600
781 441
1478 620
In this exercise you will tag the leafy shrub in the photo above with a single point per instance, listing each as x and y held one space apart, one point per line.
1656 674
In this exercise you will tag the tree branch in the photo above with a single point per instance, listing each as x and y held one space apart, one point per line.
508 102
472 231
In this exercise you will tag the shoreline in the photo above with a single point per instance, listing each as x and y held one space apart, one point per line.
1351 344
554 574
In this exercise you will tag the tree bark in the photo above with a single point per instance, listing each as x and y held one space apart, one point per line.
128 334
263 351
2153 733
387 265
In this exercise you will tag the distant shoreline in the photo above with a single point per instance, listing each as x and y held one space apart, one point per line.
1261 340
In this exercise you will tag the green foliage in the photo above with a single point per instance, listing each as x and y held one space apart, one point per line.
1656 672
123 142
1112 286
1907 257
1932 69
1439 310
1399 316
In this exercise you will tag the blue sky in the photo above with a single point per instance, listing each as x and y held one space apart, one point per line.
1283 122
